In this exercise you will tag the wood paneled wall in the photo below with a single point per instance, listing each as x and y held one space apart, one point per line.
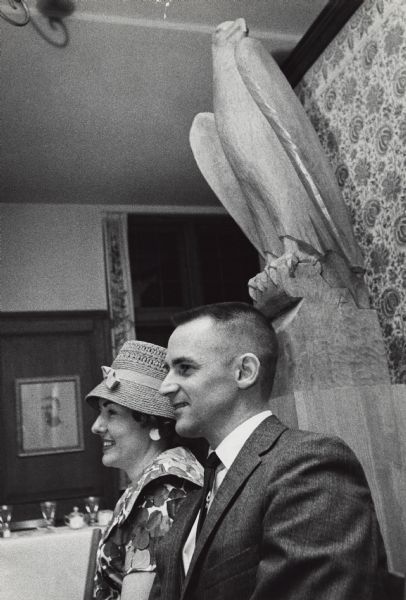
34 345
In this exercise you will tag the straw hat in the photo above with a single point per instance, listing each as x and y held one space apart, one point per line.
134 378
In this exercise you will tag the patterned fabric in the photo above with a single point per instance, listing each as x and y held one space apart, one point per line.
355 96
142 516
119 288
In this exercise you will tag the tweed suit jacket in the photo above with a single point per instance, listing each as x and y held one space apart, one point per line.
293 519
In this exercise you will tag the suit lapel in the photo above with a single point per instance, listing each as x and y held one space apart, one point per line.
248 459
173 545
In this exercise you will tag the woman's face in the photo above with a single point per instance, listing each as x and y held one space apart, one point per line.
125 441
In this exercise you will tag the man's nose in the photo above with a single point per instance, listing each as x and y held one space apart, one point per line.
168 386
99 426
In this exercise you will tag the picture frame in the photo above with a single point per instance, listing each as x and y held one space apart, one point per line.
49 415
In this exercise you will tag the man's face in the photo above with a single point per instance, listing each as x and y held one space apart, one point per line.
201 380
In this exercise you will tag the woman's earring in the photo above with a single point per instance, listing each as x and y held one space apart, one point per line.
154 434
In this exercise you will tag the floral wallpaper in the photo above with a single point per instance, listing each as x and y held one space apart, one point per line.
355 96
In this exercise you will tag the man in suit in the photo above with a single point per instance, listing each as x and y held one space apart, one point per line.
289 514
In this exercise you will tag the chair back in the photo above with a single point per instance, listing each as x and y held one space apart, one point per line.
91 565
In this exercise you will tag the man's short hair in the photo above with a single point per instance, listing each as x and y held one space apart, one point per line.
242 320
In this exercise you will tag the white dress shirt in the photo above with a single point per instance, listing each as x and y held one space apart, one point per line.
227 452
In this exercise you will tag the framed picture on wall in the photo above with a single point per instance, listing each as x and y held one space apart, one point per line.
49 417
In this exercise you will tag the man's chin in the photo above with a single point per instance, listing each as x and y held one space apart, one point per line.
184 429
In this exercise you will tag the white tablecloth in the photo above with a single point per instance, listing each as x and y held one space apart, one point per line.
40 565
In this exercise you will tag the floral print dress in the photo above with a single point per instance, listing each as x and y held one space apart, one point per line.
142 516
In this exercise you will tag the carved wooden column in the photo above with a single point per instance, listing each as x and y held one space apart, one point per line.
333 377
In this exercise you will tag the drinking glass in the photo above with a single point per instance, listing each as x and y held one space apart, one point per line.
92 508
48 509
6 511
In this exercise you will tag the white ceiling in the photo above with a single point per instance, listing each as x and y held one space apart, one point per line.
106 119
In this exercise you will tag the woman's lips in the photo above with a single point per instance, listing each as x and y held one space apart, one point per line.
107 444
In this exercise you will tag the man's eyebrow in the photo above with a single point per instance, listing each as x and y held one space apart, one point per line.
179 361
183 359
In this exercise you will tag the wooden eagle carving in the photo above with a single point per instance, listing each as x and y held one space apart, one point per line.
262 158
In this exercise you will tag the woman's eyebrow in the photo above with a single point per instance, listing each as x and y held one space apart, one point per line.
107 402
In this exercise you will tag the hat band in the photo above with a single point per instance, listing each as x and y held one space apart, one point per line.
112 378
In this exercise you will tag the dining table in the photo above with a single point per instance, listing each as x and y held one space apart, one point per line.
45 563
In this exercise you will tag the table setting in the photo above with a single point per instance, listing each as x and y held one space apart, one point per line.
45 561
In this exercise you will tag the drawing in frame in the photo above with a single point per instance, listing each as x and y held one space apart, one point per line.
49 416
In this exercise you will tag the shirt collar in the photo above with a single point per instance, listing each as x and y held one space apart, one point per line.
228 449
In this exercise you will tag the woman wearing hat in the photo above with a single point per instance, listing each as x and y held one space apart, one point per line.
136 425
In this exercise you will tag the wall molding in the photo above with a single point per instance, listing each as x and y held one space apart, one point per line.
323 30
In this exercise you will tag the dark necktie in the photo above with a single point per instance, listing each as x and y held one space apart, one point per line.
212 462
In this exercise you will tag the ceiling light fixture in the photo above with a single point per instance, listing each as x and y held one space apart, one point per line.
50 12
21 7
23 15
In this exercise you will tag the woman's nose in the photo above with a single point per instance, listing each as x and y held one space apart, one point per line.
99 426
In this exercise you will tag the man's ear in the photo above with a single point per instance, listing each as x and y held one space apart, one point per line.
247 370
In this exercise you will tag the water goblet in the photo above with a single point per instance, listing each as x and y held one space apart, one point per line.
92 508
6 511
48 509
